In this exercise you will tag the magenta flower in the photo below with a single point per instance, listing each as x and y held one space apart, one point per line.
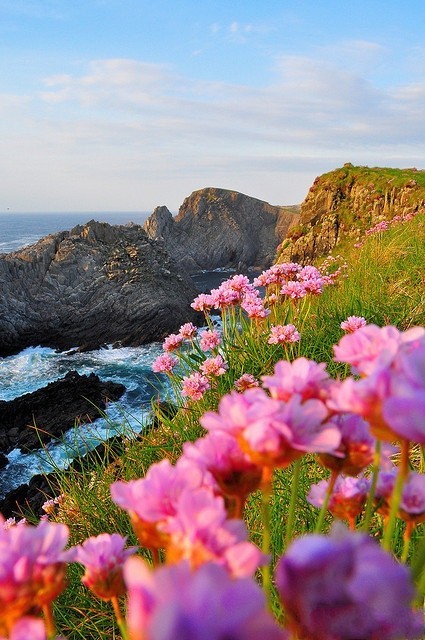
203 302
357 447
28 628
212 367
103 558
209 340
253 305
188 331
347 499
175 602
303 377
345 587
283 334
164 363
32 568
352 323
194 386
246 381
412 504
294 290
172 342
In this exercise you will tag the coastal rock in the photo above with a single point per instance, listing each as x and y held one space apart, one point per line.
94 285
347 201
220 228
47 413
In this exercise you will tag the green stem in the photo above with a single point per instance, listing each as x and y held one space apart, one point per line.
120 620
266 490
406 542
49 621
372 492
293 501
396 495
323 509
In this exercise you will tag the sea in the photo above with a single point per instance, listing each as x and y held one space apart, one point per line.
34 367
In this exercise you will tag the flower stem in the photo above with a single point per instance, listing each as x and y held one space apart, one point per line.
406 541
329 491
293 502
266 490
120 620
403 472
49 621
372 492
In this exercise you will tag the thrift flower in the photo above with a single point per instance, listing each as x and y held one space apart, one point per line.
302 376
172 342
194 386
203 302
212 367
209 340
345 587
103 559
282 334
246 381
356 449
352 323
28 628
187 331
347 499
164 363
175 602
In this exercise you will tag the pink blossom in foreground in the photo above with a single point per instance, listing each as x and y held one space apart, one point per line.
172 342
103 558
203 302
32 568
356 449
347 499
345 587
283 334
27 628
151 501
304 377
294 290
352 323
212 367
175 602
209 340
246 381
164 363
194 386
188 331
200 532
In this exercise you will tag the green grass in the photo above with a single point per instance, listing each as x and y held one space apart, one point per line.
384 283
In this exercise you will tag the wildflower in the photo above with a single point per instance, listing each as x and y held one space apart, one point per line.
246 381
172 342
344 586
194 386
347 498
28 628
187 331
294 290
50 505
352 323
203 302
209 340
214 367
304 377
177 602
412 504
103 559
164 363
356 449
282 334
253 305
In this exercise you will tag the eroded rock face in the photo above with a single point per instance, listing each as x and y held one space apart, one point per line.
96 284
220 228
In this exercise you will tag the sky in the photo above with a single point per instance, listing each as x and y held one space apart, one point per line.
123 105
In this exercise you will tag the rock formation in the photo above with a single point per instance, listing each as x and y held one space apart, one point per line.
219 228
96 284
346 202
47 413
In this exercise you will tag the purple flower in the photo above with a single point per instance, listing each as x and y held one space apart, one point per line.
176 603
347 499
345 587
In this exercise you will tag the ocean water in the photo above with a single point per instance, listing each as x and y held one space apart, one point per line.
35 367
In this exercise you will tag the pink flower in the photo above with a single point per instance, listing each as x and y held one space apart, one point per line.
253 305
175 602
194 386
214 367
246 381
28 628
294 290
103 558
352 323
344 586
302 376
164 363
357 447
188 331
203 302
347 499
282 334
209 340
172 342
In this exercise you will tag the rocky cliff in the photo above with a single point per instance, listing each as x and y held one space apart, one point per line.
346 202
90 286
220 228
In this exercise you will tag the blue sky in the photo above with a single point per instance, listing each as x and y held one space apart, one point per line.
126 104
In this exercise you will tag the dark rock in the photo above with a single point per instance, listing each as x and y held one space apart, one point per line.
220 228
94 285
47 413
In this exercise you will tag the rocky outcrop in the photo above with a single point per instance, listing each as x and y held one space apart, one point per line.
346 202
220 228
35 418
96 284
